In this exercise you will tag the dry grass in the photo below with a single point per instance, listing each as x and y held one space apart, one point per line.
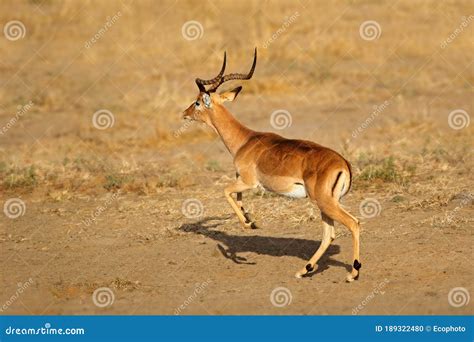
142 70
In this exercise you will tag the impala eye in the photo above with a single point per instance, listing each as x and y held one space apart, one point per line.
197 103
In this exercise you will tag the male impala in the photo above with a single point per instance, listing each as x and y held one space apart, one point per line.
294 168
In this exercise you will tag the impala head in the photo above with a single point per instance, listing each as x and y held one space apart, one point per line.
208 99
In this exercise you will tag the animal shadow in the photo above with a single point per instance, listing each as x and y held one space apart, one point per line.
230 245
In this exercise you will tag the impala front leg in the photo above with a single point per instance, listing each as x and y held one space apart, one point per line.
238 187
248 217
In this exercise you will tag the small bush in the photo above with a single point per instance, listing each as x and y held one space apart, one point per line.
114 181
385 171
213 165
19 177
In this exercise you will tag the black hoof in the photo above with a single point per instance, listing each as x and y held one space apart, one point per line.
253 225
357 265
309 268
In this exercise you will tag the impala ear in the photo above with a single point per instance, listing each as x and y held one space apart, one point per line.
230 95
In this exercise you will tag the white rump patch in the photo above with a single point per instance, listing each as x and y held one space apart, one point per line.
342 191
298 191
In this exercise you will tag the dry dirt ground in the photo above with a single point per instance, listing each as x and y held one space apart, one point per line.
131 218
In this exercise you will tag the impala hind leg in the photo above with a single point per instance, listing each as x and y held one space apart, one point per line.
328 237
331 207
327 191
238 187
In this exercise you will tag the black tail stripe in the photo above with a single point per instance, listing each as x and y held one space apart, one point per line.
350 176
335 183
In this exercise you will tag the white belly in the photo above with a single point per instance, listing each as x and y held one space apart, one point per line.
298 191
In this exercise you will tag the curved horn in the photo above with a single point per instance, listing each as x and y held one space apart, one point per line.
201 83
236 76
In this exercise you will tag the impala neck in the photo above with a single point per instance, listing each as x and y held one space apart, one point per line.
232 132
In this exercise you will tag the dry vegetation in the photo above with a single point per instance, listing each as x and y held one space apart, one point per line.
142 70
